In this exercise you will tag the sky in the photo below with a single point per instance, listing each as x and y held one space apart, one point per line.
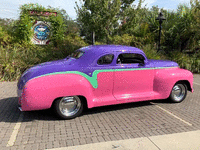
10 8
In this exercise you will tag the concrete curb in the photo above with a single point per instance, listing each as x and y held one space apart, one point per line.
177 141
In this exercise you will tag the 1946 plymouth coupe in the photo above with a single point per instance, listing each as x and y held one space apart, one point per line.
101 75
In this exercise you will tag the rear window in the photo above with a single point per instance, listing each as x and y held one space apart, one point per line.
77 54
130 58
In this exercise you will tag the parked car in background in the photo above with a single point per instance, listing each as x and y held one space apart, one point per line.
101 75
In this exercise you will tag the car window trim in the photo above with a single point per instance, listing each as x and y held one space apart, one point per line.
144 59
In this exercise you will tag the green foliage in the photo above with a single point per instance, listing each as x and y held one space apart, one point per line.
17 53
73 42
185 61
24 30
99 43
195 12
130 40
17 58
122 40
99 16
5 38
114 22
151 53
57 27
177 29
8 66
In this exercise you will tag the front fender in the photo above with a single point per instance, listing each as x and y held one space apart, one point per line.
39 93
165 79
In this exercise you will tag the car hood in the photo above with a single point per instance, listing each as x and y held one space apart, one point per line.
162 63
52 66
67 64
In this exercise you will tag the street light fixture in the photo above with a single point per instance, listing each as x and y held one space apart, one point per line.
160 18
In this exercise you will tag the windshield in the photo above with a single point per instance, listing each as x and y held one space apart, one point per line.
77 54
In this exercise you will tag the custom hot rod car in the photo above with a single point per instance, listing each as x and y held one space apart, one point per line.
101 75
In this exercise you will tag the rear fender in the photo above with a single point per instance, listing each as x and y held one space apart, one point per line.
39 93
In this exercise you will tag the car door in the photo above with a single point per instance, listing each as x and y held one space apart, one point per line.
103 70
133 78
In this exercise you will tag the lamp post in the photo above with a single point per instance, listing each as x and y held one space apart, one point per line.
160 18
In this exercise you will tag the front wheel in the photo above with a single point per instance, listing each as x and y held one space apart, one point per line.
178 93
68 107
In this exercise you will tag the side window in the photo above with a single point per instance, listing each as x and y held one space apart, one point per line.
106 59
77 54
130 58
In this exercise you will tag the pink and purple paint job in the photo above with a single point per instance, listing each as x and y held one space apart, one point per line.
101 75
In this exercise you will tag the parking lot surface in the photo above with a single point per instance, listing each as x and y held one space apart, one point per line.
43 130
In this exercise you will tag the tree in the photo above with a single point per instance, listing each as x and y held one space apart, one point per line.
177 28
195 6
139 22
99 16
71 25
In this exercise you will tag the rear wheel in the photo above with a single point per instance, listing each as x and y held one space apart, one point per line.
68 107
178 93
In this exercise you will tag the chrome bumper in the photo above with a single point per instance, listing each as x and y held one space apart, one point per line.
19 92
19 107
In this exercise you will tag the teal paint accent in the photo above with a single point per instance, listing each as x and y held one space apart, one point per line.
93 79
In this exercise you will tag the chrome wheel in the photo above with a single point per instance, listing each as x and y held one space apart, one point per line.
178 93
69 105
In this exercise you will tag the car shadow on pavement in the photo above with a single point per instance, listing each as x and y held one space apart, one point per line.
162 101
9 111
111 108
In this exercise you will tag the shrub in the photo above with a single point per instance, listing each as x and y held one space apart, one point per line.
73 42
5 38
99 43
185 61
151 53
125 39
14 60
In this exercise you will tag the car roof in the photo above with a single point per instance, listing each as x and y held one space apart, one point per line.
92 52
100 49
